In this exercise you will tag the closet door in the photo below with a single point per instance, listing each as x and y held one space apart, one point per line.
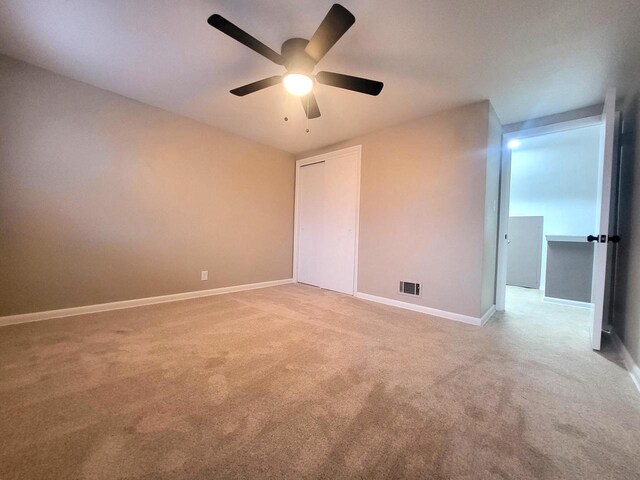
311 199
327 191
340 215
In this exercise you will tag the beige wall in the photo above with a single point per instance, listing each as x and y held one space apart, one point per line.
424 190
103 198
626 318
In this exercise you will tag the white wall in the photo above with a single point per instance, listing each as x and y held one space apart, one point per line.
556 176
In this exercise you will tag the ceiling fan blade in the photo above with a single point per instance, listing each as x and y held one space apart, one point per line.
357 84
255 86
334 25
225 26
310 106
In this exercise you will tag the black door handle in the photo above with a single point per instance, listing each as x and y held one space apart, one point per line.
603 238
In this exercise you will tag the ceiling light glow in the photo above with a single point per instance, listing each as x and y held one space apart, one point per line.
297 84
514 143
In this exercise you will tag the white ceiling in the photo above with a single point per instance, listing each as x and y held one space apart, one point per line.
530 58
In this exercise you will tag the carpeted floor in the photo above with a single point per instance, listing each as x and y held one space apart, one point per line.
297 382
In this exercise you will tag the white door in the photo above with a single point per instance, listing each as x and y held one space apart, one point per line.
340 211
310 223
327 190
600 263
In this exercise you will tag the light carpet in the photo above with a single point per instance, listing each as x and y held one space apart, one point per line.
301 383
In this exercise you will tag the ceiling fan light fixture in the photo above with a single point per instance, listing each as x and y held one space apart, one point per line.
297 84
299 57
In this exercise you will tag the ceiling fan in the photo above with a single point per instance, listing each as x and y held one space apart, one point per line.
299 57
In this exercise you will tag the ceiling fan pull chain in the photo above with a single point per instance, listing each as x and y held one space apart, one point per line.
286 108
307 113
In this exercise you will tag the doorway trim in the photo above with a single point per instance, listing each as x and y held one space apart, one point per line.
343 152
505 190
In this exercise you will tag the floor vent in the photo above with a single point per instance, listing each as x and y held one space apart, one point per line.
410 288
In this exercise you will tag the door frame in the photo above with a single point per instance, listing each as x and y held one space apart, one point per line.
343 152
505 190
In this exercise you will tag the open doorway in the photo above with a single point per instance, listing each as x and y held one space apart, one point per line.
553 208
564 178
565 254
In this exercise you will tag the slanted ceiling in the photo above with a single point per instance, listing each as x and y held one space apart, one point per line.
529 58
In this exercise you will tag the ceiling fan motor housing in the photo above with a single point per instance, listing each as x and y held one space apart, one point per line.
295 60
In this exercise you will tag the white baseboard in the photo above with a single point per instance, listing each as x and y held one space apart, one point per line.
138 302
631 365
487 316
429 311
571 303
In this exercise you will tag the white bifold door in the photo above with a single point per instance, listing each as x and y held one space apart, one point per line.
327 189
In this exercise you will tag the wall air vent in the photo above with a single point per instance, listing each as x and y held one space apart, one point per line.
410 288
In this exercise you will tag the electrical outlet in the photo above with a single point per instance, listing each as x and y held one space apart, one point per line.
204 275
